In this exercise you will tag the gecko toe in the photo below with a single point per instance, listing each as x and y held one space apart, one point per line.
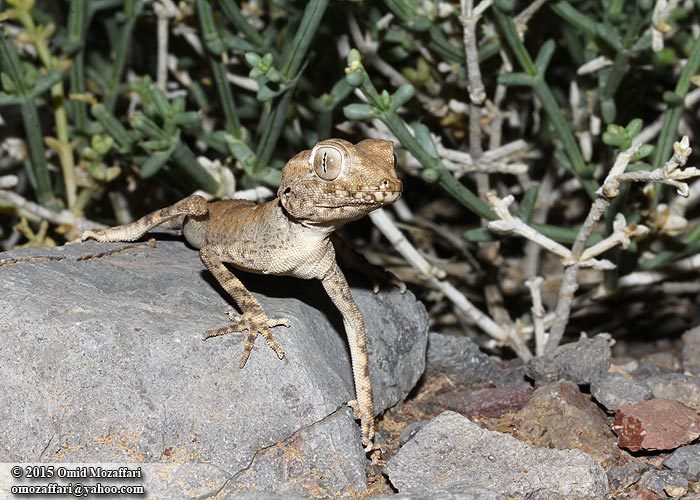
255 324
272 322
248 348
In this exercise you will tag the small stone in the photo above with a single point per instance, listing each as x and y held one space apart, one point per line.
559 416
581 362
626 475
645 494
663 359
657 424
676 386
458 494
646 370
664 482
614 391
675 491
512 375
691 351
452 453
410 431
491 402
545 495
625 364
460 358
685 460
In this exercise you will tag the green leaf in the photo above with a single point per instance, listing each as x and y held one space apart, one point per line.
385 99
608 33
422 134
154 163
527 204
430 175
359 112
188 118
613 139
7 84
544 56
355 78
517 79
609 110
266 93
9 100
634 127
643 151
157 145
479 235
160 101
240 150
672 98
252 59
402 95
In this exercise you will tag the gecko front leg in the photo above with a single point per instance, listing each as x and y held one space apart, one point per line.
194 206
338 290
253 318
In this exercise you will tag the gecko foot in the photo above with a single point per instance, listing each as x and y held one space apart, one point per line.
367 426
377 275
255 324
92 234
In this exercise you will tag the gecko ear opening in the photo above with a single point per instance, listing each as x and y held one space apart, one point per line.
327 162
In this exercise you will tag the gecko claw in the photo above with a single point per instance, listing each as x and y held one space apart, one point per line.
378 276
355 409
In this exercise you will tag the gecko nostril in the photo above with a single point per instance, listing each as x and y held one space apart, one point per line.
385 183
287 191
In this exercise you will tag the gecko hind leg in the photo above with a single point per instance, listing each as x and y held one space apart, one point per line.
254 319
194 206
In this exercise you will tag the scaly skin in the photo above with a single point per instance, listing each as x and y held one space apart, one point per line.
321 190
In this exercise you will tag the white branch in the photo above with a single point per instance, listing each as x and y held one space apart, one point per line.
413 257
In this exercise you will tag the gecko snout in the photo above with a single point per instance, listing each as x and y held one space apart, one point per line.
391 185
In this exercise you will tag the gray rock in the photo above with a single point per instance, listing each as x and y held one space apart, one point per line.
452 453
461 494
685 460
624 476
460 358
545 495
102 361
285 468
581 362
512 375
677 386
410 431
158 480
613 391
691 351
664 482
663 359
646 370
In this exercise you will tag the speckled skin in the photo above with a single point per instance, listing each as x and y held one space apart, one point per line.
321 190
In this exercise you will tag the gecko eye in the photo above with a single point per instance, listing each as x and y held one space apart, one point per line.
327 162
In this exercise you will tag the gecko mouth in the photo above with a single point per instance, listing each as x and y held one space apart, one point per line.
361 198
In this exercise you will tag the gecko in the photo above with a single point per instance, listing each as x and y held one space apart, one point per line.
321 190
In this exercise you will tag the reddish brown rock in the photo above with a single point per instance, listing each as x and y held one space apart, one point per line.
559 416
491 402
645 494
657 424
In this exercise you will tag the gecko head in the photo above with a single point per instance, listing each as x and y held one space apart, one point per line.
338 182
